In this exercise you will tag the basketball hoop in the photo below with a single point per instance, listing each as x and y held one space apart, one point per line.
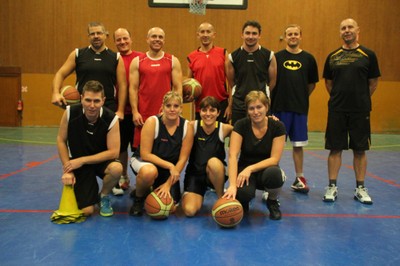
198 7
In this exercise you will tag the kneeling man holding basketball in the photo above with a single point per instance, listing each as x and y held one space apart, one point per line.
88 144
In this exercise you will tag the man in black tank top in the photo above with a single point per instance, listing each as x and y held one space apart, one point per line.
95 62
252 67
88 144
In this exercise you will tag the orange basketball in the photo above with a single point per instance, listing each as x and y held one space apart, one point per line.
191 87
158 208
227 212
71 94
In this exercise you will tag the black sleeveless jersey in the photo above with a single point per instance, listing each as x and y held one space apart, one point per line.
205 147
166 146
85 138
251 73
101 67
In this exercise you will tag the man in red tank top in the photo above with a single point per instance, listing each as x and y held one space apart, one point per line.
150 77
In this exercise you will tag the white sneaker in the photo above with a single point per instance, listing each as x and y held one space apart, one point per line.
117 191
361 194
330 193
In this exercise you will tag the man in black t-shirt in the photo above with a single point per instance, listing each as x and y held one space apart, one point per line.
297 75
351 77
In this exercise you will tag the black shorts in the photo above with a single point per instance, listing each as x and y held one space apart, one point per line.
348 130
197 184
86 187
126 129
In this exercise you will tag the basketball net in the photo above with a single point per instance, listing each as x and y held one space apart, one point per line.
198 7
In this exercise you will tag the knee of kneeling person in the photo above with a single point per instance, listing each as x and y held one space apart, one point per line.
115 169
214 163
273 177
147 173
189 210
190 204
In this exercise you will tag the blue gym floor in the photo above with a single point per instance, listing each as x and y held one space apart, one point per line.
311 231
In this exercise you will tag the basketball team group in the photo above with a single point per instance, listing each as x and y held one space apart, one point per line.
252 101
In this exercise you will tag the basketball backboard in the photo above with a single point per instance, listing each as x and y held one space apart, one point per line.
221 4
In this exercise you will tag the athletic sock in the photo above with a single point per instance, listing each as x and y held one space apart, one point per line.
332 182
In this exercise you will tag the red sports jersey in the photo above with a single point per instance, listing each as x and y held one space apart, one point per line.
209 69
127 62
155 80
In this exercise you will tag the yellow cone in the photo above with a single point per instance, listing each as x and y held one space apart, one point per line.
68 211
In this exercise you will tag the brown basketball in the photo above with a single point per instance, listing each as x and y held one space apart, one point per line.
192 87
227 212
158 208
71 94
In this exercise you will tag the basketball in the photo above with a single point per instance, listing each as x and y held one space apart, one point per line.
191 87
71 94
227 212
158 208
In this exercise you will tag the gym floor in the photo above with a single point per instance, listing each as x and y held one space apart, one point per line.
311 231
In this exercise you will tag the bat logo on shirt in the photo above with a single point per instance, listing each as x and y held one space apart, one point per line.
292 64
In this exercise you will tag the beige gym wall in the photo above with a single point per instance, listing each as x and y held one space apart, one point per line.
38 35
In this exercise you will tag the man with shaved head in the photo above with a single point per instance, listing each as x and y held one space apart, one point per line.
351 77
150 77
208 65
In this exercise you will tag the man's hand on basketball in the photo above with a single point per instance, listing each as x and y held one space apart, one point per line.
188 98
58 100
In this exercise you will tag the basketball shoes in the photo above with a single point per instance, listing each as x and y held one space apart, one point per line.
274 211
300 185
330 193
361 194
105 207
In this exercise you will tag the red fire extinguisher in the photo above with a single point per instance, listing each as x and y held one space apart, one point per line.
20 105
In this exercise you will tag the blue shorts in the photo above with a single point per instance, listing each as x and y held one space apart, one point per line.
296 127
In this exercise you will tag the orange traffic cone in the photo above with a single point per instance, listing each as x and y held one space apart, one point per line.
68 211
